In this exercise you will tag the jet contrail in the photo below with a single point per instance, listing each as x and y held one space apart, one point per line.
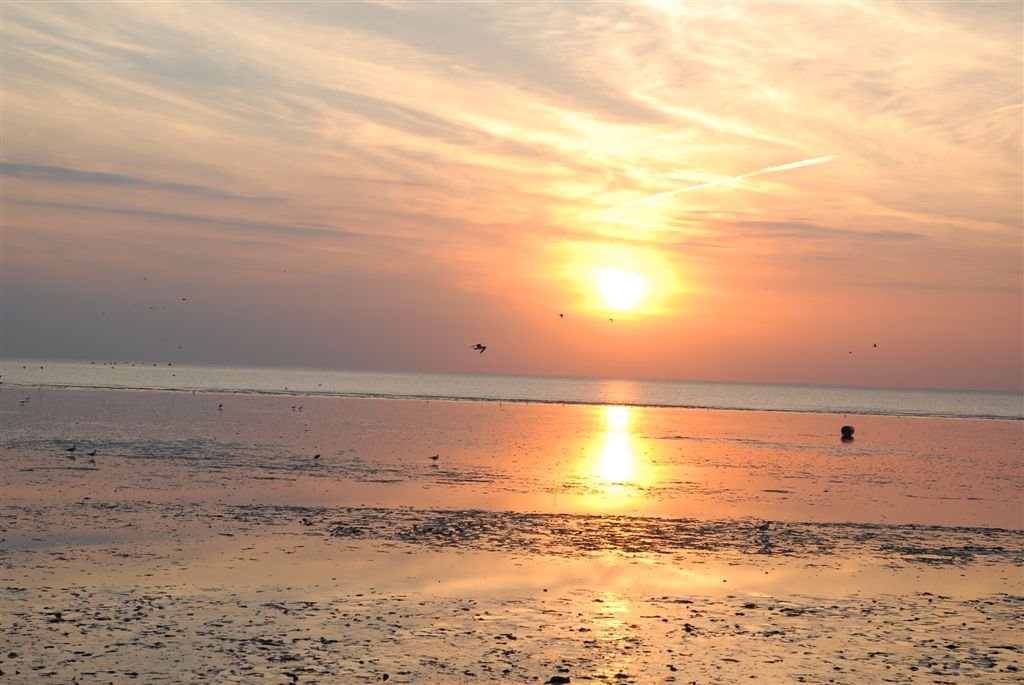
794 165
724 181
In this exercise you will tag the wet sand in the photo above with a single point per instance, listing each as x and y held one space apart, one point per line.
207 544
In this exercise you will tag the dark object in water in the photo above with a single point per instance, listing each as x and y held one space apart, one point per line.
847 432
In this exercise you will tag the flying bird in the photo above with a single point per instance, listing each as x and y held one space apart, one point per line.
479 346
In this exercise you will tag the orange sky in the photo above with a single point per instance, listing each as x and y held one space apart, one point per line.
382 185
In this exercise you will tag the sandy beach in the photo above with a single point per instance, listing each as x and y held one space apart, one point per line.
206 541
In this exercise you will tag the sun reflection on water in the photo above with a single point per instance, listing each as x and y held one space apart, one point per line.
616 461
613 464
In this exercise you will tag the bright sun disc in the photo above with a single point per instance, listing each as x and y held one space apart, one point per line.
621 290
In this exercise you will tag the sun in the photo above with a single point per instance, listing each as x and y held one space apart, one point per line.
624 280
622 291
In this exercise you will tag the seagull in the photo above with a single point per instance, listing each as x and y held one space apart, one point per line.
479 346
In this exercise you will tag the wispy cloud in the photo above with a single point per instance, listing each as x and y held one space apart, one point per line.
461 144
66 175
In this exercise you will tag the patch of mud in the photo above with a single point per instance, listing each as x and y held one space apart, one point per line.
582 534
168 635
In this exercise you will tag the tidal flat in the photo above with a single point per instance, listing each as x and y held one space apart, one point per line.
197 537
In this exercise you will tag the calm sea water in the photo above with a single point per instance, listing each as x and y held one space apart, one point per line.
740 396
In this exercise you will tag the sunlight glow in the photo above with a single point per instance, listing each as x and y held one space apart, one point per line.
613 278
621 290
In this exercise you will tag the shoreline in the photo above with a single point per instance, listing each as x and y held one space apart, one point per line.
489 400
703 395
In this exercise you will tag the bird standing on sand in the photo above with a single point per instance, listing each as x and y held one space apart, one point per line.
435 457
479 346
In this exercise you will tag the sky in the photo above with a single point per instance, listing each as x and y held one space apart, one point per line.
825 193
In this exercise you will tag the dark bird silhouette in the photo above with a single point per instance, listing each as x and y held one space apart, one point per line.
479 346
91 454
71 449
561 316
315 457
765 526
875 345
435 457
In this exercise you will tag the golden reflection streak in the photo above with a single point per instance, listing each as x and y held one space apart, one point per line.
614 467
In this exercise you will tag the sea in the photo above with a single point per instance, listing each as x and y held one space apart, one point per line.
969 404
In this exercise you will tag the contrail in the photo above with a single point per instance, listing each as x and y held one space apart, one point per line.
794 165
724 181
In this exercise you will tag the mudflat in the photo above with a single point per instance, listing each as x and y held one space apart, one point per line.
191 537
